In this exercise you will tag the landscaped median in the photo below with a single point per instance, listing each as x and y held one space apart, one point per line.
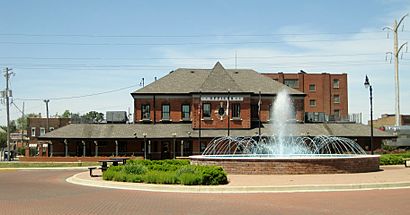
393 159
166 172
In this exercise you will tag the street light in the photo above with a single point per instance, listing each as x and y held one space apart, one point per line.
368 85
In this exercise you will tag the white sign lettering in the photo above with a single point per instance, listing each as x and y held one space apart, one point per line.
221 98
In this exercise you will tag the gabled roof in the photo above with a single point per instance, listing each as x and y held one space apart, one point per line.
218 79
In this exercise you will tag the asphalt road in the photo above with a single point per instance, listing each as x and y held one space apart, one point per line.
46 192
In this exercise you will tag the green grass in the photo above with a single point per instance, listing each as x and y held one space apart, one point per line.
166 172
45 164
393 159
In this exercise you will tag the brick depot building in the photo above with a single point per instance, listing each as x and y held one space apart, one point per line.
180 113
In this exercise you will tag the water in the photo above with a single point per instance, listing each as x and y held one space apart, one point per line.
282 143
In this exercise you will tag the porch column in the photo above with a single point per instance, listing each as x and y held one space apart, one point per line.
83 147
40 149
66 147
182 148
96 148
116 148
51 148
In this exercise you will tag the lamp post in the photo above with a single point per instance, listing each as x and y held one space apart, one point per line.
174 135
145 145
368 85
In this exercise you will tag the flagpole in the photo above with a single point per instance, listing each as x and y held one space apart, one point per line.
200 119
229 116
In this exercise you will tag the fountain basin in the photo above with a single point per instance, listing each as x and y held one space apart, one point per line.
294 164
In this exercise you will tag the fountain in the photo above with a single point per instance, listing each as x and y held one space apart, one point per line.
283 153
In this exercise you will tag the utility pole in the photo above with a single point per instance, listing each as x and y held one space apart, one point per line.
7 94
396 51
22 127
47 101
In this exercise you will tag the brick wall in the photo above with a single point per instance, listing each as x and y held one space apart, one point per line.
294 166
215 121
324 91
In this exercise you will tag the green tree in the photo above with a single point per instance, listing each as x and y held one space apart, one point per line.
22 121
93 117
67 114
3 139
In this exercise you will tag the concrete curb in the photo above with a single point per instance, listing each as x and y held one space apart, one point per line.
46 168
236 189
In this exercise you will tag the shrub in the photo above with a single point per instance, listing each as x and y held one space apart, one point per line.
136 169
212 175
157 177
166 172
186 169
135 178
393 159
108 175
120 176
190 179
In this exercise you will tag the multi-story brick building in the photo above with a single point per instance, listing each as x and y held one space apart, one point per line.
180 113
326 94
37 126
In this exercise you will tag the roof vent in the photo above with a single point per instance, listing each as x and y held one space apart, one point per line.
192 71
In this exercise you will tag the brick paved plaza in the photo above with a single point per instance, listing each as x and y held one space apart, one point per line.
47 192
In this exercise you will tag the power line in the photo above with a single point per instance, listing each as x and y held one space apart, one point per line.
183 58
77 97
182 43
183 36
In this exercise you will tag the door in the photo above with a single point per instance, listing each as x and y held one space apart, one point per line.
165 150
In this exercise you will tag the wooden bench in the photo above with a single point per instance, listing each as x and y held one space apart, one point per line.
91 171
406 162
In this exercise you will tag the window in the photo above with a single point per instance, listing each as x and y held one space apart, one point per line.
337 114
145 112
294 83
51 129
42 131
312 103
336 99
165 112
255 112
312 87
236 111
206 110
336 83
33 131
187 148
185 112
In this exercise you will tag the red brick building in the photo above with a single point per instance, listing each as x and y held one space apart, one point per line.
37 127
197 96
326 94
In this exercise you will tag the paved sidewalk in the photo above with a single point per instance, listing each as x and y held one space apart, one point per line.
391 177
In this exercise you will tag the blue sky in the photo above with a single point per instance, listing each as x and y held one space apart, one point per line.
72 48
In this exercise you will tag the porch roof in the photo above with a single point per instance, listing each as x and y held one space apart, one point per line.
131 131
